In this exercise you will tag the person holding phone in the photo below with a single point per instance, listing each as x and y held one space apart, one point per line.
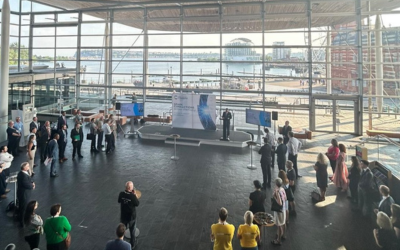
129 201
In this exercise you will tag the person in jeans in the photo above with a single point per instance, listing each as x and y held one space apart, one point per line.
119 243
222 232
108 134
33 225
248 233
56 228
129 201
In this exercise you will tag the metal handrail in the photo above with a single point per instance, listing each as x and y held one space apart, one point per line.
377 137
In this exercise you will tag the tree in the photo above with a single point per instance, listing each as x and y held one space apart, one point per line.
13 54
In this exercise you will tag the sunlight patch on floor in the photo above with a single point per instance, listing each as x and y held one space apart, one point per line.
328 201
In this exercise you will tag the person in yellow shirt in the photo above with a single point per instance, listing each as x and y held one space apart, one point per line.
222 232
248 233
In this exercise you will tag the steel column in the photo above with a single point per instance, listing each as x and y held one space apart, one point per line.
311 115
145 57
4 67
358 125
78 61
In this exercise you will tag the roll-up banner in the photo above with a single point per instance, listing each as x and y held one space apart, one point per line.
194 111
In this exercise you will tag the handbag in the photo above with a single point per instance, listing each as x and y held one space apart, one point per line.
90 137
67 240
275 206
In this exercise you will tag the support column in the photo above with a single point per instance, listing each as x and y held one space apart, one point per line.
4 69
110 55
311 116
378 64
328 62
358 125
263 55
145 58
78 72
106 65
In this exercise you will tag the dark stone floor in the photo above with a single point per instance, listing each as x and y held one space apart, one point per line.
181 198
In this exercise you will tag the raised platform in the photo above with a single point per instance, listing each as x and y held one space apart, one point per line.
193 137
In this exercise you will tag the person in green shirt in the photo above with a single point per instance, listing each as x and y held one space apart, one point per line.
56 229
222 232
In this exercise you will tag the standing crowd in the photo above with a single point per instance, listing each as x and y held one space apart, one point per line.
52 144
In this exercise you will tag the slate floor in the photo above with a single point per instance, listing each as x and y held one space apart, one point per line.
180 199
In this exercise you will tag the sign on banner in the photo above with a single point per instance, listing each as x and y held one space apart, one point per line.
193 111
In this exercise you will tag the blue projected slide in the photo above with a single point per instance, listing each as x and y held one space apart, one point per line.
258 117
132 109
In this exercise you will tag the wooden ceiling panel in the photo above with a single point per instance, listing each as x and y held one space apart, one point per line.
287 8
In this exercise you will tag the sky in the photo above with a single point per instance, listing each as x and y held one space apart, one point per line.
97 30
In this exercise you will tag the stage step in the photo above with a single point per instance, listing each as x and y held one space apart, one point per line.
186 142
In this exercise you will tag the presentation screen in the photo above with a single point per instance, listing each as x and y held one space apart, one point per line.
194 111
258 117
132 109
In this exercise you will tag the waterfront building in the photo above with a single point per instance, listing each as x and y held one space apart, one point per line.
278 52
240 49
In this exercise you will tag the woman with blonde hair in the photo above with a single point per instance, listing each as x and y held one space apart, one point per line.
385 237
279 196
321 172
340 176
248 233
395 219
289 195
31 150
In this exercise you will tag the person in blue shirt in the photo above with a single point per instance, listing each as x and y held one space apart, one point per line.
18 125
119 243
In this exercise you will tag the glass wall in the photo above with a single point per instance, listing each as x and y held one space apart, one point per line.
265 55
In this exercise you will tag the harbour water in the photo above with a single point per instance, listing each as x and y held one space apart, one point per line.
160 69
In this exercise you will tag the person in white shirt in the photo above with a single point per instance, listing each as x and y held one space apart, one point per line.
271 141
293 147
5 163
108 134
6 158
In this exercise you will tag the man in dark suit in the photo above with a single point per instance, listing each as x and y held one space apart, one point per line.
45 135
62 142
386 202
365 188
24 187
62 120
77 139
266 159
226 118
285 132
34 124
281 151
13 137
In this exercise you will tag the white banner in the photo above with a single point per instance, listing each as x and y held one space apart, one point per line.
194 111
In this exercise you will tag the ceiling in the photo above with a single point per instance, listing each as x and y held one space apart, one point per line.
238 15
